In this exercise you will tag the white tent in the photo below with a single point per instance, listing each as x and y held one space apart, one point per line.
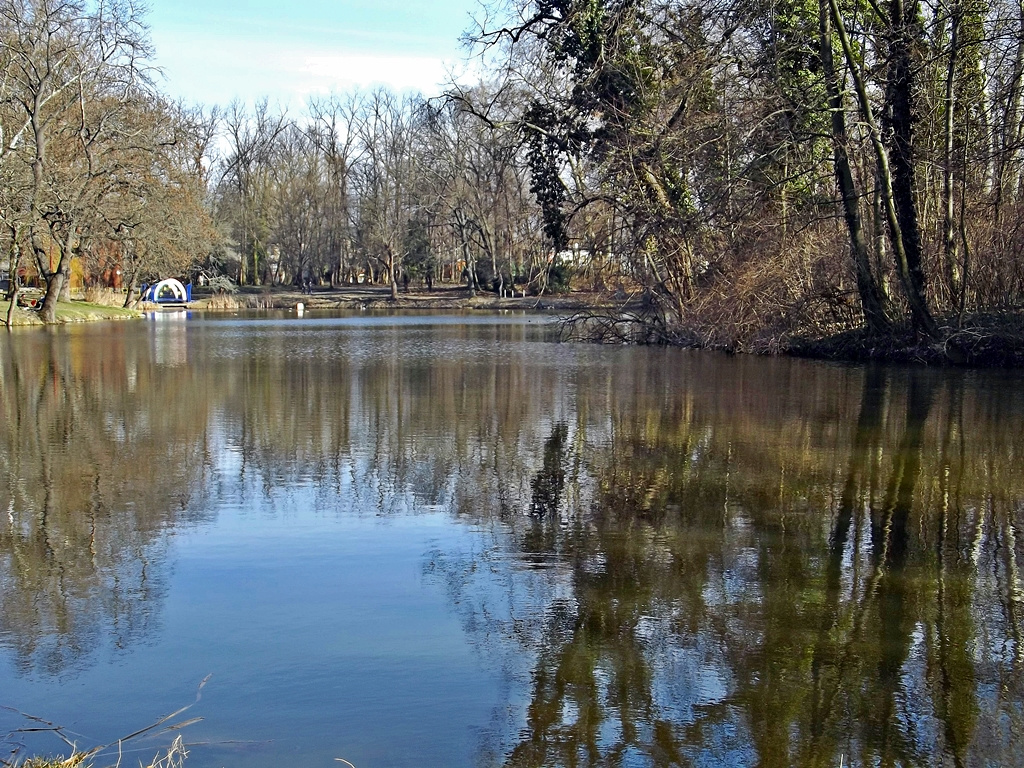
169 291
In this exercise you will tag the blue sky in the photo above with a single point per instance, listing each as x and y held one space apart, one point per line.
212 51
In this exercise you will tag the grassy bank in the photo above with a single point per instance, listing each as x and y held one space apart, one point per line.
348 298
71 312
108 755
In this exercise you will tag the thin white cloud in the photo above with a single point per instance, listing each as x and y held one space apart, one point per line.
337 71
210 70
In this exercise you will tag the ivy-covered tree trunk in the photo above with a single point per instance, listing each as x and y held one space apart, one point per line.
951 269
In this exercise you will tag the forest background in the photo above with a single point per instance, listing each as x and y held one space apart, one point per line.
751 172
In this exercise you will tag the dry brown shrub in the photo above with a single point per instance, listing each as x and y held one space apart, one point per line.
260 301
222 301
106 297
780 286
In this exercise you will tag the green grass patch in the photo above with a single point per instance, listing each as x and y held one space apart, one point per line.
80 311
70 312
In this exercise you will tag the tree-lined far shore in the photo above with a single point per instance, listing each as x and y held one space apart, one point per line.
748 172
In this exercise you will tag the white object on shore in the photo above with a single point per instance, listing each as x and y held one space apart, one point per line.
300 309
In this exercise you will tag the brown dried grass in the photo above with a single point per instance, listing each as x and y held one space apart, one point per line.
222 301
172 756
105 297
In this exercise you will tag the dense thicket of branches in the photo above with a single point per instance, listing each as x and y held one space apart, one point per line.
758 169
771 167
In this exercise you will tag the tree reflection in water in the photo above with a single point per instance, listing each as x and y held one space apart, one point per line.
691 559
771 590
100 457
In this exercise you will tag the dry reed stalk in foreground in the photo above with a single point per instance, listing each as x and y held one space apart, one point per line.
173 757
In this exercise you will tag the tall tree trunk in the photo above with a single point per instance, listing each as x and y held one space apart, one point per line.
949 239
243 250
15 292
393 275
130 292
903 19
871 299
1008 182
14 265
58 280
896 185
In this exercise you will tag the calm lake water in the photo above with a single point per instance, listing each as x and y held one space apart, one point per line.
450 541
